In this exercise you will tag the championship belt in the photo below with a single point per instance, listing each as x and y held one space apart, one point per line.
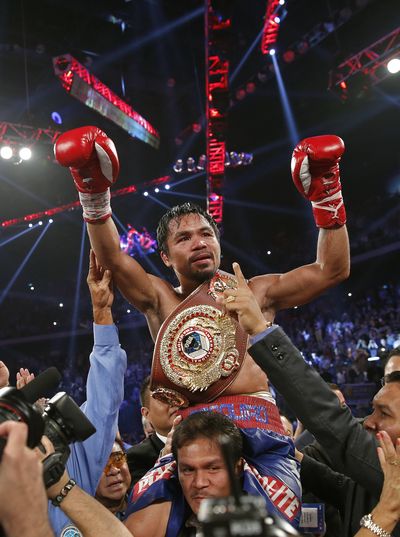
199 349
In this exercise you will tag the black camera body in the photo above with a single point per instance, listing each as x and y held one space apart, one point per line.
240 517
62 421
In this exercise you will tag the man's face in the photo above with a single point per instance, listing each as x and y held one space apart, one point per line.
393 364
160 415
115 479
386 411
202 472
193 249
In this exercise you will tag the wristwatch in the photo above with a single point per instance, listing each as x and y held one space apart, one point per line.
367 522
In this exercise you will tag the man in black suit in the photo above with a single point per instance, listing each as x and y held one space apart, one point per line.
142 456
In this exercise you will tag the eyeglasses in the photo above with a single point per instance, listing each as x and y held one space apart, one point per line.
116 459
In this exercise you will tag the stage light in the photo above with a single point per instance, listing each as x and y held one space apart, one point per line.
191 164
40 223
343 85
30 225
178 166
250 87
272 52
167 187
60 305
349 294
54 323
281 2
156 190
51 220
25 153
393 66
277 20
201 165
145 193
128 311
55 116
6 152
269 252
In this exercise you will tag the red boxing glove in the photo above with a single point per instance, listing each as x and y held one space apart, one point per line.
315 172
93 161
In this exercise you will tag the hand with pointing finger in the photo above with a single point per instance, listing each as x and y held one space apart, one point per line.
241 304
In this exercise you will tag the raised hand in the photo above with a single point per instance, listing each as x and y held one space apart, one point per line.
101 291
242 305
24 377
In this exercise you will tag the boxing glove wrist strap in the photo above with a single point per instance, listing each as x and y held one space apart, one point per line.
95 206
321 204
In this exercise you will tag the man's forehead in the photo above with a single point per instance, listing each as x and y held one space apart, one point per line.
200 447
389 395
192 220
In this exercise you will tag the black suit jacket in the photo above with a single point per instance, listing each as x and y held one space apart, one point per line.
142 456
351 448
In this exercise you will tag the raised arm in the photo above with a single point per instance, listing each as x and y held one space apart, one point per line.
315 172
93 161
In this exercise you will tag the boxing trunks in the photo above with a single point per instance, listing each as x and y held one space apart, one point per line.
270 469
199 350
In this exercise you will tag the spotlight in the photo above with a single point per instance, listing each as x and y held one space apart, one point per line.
349 294
191 164
277 20
6 152
178 166
269 252
393 66
201 165
40 223
54 323
60 305
30 225
25 153
128 311
145 193
167 187
55 116
281 2
272 52
240 94
51 220
156 190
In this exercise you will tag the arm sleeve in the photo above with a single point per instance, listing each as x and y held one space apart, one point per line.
105 392
323 482
351 447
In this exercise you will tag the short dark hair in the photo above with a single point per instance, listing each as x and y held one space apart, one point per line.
210 425
145 392
393 352
176 213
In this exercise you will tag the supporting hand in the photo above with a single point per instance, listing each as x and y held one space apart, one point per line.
241 304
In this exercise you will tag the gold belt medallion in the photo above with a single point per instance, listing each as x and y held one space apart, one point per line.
198 348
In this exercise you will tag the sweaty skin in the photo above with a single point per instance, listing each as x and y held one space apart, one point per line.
193 252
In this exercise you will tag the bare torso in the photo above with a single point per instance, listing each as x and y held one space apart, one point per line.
250 378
